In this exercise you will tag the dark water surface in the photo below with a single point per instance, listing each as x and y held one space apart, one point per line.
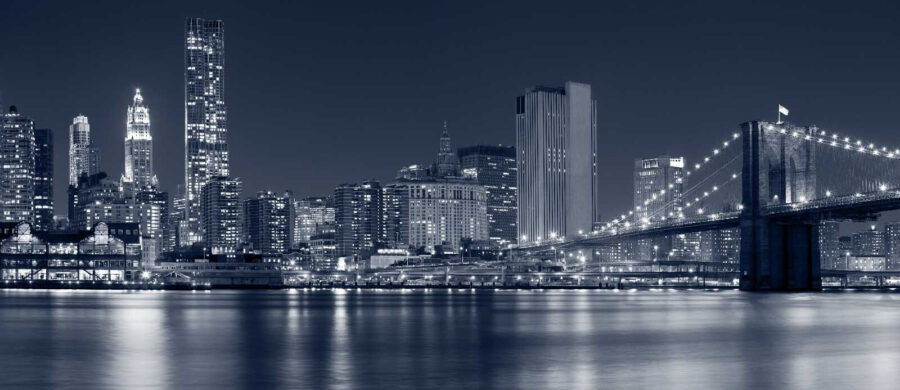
324 339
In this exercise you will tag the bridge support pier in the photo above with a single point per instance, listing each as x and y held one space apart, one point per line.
777 254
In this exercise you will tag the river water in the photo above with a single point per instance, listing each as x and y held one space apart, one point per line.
397 339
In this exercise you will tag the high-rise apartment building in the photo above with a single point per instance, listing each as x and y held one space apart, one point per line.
221 217
139 173
205 129
868 243
17 167
43 179
267 222
494 167
829 244
658 185
556 147
892 246
358 219
308 214
84 156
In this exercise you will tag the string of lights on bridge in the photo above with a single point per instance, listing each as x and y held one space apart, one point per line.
718 151
835 140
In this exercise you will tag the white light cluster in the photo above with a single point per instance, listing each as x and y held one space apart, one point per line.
715 152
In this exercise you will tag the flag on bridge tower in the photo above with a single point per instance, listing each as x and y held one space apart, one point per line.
782 110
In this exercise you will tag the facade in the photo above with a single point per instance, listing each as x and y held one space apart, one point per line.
221 214
658 185
829 244
323 252
868 243
268 222
139 173
447 163
494 168
556 146
84 156
205 129
892 246
357 217
308 214
439 213
107 252
91 200
17 167
43 179
722 245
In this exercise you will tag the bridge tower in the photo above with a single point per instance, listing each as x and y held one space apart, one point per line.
778 167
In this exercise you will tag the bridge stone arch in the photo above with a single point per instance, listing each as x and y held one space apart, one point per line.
778 167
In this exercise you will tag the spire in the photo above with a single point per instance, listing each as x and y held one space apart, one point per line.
447 164
138 99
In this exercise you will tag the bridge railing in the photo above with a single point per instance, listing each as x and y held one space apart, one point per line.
833 201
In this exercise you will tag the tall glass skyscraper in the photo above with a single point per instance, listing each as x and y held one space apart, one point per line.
556 147
205 130
138 146
43 179
494 167
84 157
17 158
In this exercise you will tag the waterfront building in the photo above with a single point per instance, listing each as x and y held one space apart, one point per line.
892 246
268 222
865 263
720 245
17 167
221 214
358 222
106 252
829 244
43 179
494 168
323 252
138 173
308 214
556 147
206 146
868 243
84 156
435 214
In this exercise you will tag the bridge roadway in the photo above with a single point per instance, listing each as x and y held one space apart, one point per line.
857 206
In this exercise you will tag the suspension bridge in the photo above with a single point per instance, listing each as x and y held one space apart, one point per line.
771 183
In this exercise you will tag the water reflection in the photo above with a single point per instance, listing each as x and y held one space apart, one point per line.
324 339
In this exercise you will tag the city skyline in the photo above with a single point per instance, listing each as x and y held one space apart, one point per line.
679 99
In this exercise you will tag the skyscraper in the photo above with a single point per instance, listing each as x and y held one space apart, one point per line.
43 179
357 216
138 146
221 217
84 157
17 163
868 243
205 130
446 163
556 146
658 184
267 222
829 244
892 246
308 214
494 167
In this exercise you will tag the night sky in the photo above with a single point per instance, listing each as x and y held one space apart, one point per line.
322 93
